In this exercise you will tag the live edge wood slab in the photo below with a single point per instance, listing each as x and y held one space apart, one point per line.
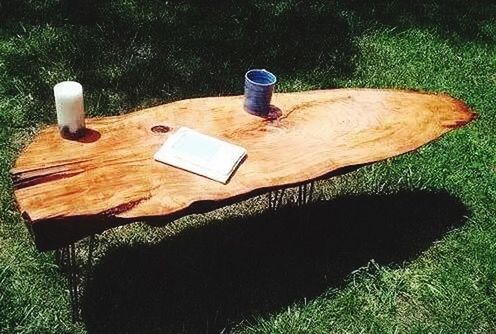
67 189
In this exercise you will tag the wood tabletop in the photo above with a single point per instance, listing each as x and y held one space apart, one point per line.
67 190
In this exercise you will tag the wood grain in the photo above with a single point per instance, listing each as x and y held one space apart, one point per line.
67 190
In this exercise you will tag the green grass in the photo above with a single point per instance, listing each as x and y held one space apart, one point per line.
404 246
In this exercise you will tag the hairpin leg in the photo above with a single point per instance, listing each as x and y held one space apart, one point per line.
303 198
275 199
67 260
305 193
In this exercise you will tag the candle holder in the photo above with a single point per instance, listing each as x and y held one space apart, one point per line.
70 109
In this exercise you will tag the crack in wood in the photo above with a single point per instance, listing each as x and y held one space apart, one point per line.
121 208
23 182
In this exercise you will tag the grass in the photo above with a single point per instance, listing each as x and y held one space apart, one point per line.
407 245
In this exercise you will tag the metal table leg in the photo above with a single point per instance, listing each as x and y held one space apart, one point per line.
67 260
275 199
305 193
303 198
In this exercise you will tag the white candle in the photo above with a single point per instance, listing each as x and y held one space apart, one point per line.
70 107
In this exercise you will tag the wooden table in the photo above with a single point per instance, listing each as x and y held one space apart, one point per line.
67 190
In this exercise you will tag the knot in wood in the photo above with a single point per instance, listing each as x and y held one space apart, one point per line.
160 129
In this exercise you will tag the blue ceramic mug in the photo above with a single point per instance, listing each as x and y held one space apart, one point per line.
259 85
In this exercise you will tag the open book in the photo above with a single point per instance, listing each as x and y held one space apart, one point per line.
201 154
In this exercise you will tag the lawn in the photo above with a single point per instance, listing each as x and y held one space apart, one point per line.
404 246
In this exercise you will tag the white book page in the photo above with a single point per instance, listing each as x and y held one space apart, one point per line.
201 154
